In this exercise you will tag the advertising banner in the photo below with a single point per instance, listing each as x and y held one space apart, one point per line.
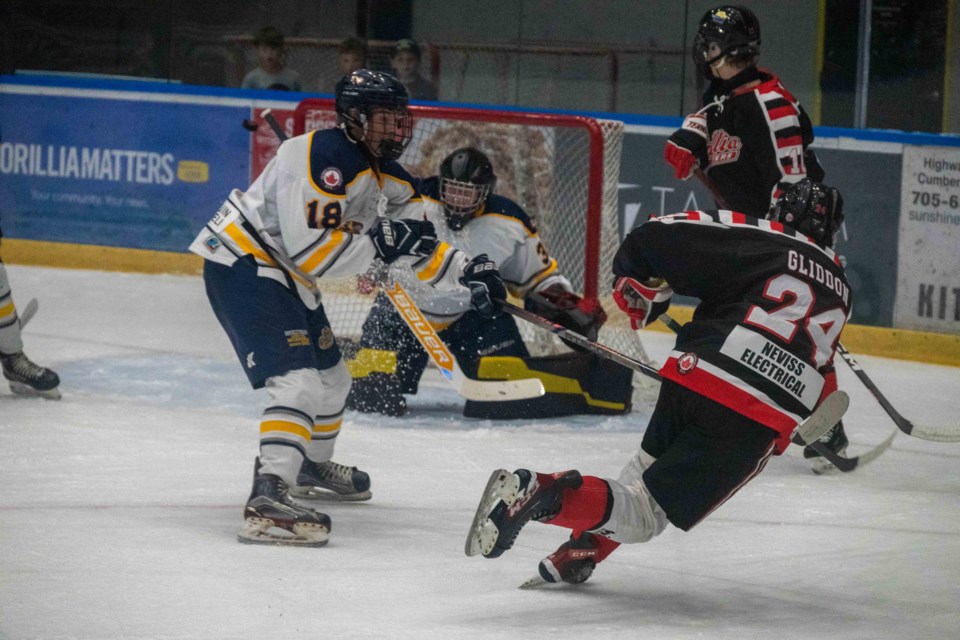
117 172
928 272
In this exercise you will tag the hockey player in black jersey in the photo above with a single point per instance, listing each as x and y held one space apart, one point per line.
752 139
471 217
753 363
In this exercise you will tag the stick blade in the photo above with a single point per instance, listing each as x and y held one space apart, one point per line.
499 390
827 414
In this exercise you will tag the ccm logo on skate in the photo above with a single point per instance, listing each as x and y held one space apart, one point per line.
524 499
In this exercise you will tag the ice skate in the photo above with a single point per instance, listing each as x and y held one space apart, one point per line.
509 501
29 379
572 563
331 481
270 517
835 440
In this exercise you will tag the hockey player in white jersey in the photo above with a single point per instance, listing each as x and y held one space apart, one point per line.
470 217
329 203
23 375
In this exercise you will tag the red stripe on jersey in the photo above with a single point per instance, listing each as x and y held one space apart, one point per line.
731 396
776 226
738 218
786 111
792 141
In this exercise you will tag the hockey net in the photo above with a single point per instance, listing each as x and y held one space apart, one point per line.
562 169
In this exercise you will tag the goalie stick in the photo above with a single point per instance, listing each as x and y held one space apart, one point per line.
842 463
829 413
480 390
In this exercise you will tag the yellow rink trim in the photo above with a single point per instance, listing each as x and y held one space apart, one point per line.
83 256
921 346
903 344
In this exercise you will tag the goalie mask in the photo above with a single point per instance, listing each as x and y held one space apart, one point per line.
811 208
735 31
372 108
466 179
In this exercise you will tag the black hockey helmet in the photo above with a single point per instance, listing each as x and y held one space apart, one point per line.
359 94
466 179
734 29
811 208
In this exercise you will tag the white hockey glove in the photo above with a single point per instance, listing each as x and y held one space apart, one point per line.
408 237
687 146
642 302
486 286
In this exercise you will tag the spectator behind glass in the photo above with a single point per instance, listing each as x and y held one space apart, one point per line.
405 61
271 58
351 55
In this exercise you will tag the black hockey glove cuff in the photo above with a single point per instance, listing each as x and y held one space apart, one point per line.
485 284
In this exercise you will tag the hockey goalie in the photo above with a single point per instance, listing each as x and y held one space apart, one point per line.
470 217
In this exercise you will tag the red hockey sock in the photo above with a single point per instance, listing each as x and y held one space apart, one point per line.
584 508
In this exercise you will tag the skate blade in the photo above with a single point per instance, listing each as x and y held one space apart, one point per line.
265 531
21 389
502 486
325 495
536 582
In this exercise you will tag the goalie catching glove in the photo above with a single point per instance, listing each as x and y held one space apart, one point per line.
643 302
408 237
480 275
687 146
560 306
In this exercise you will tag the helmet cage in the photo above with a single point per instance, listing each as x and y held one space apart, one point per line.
360 96
461 200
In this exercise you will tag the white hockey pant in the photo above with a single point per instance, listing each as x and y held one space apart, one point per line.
635 516
303 418
10 341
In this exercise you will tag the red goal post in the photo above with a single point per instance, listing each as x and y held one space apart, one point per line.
562 169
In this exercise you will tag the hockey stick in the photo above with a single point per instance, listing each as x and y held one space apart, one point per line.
829 413
937 434
268 117
842 463
28 312
480 390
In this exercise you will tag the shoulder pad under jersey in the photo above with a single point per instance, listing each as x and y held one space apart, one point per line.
335 162
500 205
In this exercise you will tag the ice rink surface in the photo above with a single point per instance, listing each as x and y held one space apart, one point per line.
120 503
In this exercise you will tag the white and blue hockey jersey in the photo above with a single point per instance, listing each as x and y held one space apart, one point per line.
307 216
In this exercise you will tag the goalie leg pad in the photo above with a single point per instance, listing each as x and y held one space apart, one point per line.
575 384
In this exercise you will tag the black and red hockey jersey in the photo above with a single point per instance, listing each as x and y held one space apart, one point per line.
773 304
758 136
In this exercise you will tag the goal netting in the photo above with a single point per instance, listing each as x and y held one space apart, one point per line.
562 169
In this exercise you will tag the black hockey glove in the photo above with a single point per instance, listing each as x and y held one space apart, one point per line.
395 238
485 284
556 304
